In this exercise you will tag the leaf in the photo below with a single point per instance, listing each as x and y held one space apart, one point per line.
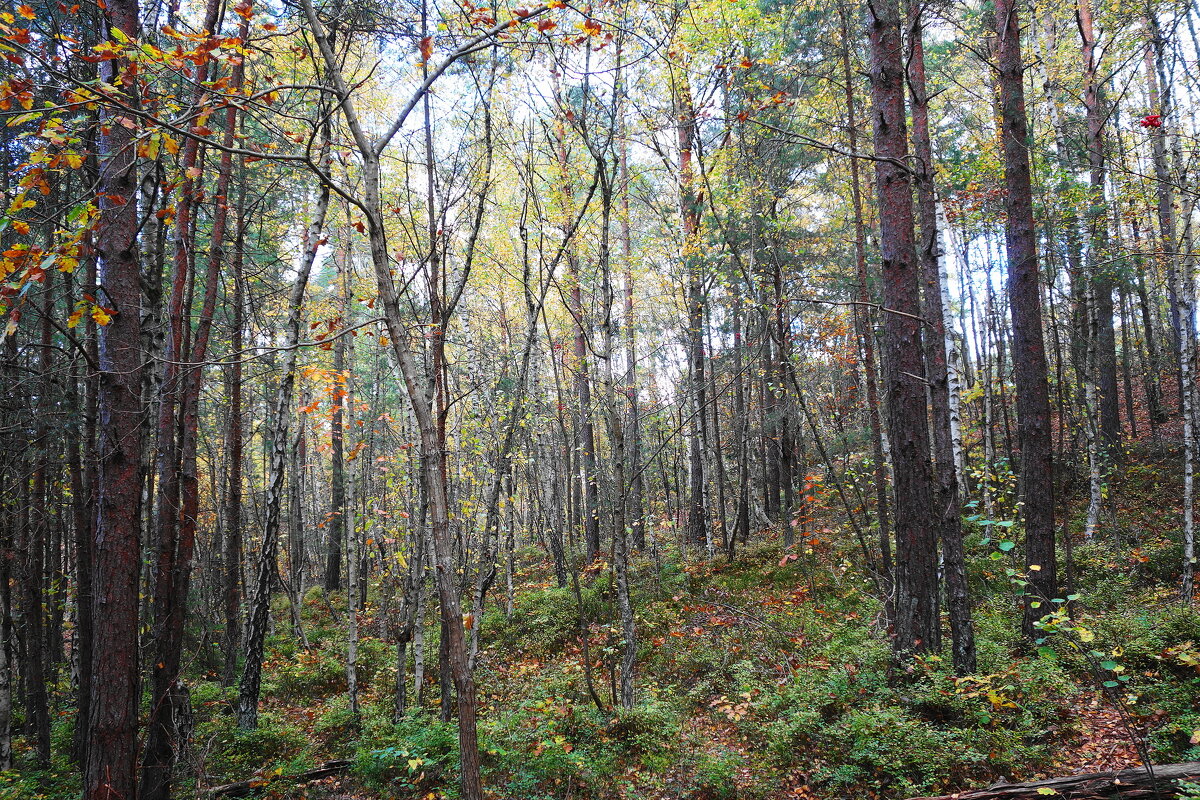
23 118
1006 546
426 47
1046 790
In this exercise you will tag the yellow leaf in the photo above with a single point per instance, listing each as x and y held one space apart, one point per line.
101 316
21 227
26 12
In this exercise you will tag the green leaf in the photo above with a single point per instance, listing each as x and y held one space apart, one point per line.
1006 546
1108 665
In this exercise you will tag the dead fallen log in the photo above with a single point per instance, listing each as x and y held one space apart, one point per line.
1127 784
256 785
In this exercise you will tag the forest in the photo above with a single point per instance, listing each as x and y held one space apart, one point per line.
674 399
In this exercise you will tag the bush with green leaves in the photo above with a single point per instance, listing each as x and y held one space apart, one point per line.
395 768
544 621
316 672
32 784
924 731
529 750
714 775
418 750
276 745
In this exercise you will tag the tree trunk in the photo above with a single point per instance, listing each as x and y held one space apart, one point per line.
231 594
260 606
699 534
111 770
1025 301
862 317
177 541
930 254
915 624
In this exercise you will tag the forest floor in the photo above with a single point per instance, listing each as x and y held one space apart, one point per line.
763 678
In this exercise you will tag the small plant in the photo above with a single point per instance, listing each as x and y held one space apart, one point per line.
395 768
714 776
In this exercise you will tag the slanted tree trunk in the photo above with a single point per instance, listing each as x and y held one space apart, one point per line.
1159 783
265 575
863 327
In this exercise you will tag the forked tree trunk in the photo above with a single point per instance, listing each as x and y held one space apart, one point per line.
178 536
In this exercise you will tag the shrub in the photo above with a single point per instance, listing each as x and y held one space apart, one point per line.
417 752
714 775
236 754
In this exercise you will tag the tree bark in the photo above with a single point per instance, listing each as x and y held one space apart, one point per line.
111 769
915 623
863 327
260 607
1025 302
929 253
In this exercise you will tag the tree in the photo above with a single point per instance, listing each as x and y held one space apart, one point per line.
915 611
1025 302
111 769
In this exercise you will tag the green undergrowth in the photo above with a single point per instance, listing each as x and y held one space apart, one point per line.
753 677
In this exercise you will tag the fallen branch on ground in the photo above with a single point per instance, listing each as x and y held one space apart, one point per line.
1126 784
255 785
